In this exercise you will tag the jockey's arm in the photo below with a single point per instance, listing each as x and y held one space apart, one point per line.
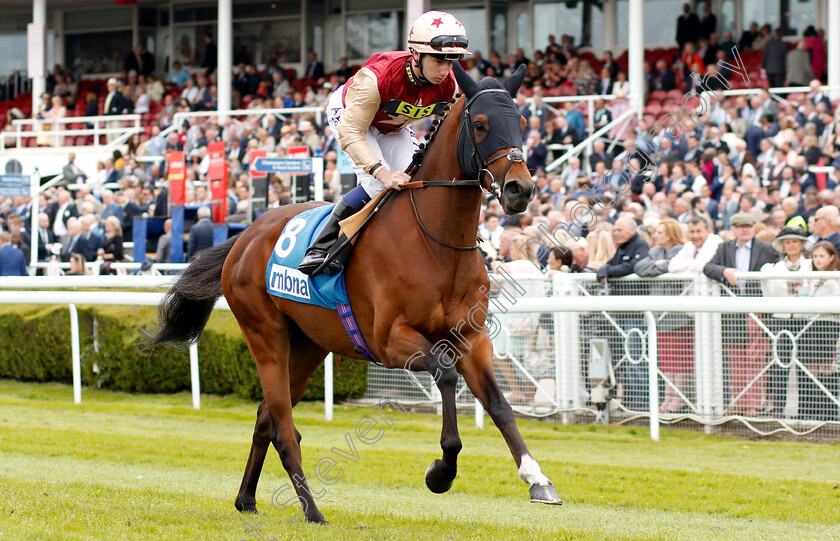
361 103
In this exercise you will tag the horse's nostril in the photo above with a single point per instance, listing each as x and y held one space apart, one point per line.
513 188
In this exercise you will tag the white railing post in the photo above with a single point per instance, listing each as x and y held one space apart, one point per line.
653 376
77 357
328 387
195 383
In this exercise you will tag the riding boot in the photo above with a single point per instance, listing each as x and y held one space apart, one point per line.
319 251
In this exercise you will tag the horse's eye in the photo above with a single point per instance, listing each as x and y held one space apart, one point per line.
479 126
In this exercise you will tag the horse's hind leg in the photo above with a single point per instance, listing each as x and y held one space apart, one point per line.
305 357
246 500
267 333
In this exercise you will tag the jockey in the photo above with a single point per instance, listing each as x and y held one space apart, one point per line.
370 116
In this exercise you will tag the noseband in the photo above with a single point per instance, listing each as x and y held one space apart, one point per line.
513 155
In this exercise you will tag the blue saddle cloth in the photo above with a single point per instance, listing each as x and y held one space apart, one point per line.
282 277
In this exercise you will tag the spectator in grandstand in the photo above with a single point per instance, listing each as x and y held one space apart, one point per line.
12 261
344 72
112 245
621 84
820 353
798 67
605 84
688 27
536 152
700 249
60 211
314 67
70 240
816 49
211 59
178 76
45 237
72 173
668 240
744 342
664 78
603 115
77 266
764 36
19 242
201 233
774 60
827 225
164 244
748 37
89 242
141 101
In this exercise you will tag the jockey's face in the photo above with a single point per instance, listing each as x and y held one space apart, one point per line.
435 70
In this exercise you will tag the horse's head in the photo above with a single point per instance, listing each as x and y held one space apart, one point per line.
490 139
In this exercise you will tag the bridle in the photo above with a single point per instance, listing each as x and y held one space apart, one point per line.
513 154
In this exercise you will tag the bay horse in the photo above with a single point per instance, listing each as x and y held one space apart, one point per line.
413 279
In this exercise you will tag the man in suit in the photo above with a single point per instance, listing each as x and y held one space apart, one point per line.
164 245
688 27
201 233
115 104
12 262
65 210
314 68
89 242
664 78
69 242
708 24
72 173
45 236
774 60
599 154
605 85
211 55
746 347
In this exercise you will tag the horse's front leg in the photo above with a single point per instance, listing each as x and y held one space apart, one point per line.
477 368
410 350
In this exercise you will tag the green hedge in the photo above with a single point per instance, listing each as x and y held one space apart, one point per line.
36 346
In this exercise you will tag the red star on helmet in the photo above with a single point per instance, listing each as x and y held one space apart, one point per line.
459 23
437 22
411 32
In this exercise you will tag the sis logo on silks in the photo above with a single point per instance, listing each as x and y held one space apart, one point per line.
288 282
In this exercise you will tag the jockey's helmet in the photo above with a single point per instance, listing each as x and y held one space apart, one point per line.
439 33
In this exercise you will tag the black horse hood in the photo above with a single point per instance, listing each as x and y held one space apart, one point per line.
484 97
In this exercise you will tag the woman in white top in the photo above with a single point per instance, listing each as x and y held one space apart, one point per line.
820 351
790 243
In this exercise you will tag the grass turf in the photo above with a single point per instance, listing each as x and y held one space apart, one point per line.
123 466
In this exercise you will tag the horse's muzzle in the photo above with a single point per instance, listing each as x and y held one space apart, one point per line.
516 196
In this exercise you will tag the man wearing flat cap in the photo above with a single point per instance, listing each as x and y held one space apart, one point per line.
745 344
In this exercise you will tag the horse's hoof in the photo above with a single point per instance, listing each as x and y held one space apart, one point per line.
316 518
246 507
545 494
436 480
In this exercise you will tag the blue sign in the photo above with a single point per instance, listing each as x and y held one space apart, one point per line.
283 165
14 185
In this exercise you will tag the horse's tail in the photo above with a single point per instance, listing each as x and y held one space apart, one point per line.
187 305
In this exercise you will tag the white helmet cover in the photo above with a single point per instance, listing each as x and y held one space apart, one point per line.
439 33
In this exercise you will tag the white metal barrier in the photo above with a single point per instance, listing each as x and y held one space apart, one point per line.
112 125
